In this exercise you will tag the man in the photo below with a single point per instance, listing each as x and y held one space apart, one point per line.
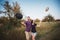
27 23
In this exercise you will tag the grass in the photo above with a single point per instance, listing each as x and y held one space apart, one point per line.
18 33
46 28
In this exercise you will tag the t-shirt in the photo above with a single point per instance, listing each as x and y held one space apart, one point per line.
28 26
33 28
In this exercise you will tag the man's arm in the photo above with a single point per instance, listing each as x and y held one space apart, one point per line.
23 24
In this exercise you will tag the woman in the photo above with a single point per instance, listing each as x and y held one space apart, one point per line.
33 30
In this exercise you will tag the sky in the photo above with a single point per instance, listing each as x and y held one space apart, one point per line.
36 8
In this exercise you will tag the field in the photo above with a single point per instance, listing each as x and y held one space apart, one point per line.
45 31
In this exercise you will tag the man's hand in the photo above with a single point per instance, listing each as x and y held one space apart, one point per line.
23 24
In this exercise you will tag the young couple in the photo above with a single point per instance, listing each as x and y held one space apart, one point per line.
30 30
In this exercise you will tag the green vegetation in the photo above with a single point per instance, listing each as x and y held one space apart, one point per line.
17 33
48 18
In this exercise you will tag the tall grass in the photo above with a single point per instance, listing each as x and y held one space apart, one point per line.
18 33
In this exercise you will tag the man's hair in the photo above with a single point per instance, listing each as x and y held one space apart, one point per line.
28 16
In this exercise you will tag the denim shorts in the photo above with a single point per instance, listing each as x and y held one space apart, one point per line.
33 34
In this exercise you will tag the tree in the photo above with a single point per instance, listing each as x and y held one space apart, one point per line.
12 11
48 18
57 20
7 8
16 8
37 20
